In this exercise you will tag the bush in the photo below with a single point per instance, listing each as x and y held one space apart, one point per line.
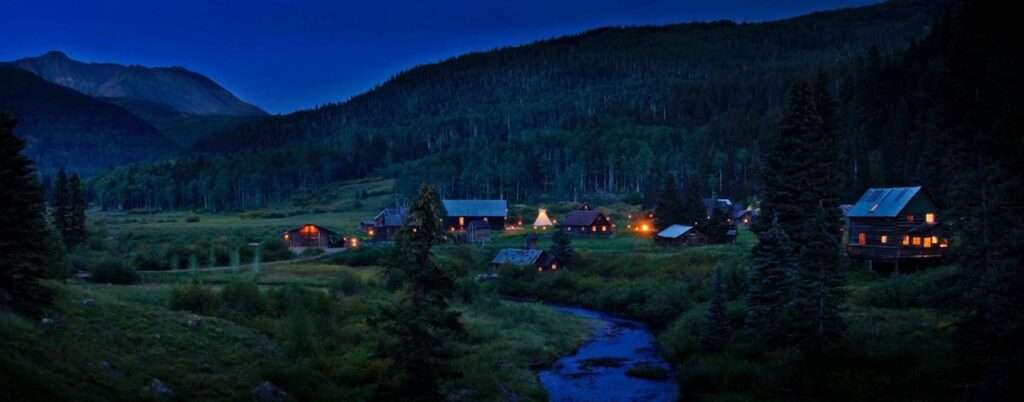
923 289
150 262
274 250
192 219
113 272
312 252
361 257
244 297
346 284
195 298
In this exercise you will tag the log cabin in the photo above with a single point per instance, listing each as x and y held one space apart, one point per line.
459 213
387 223
312 236
679 236
895 224
588 222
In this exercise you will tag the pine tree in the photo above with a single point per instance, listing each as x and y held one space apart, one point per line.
561 249
668 209
717 331
23 253
75 232
774 265
61 205
422 325
819 294
824 185
692 210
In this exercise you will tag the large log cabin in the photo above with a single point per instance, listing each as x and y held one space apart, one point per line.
461 212
387 223
588 222
312 236
895 224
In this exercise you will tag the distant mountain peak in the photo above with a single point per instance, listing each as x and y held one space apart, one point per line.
177 87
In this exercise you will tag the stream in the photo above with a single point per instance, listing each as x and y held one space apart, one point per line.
597 371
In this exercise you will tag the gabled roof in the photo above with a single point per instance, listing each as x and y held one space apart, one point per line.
392 216
488 208
318 227
675 231
883 202
517 256
581 218
711 205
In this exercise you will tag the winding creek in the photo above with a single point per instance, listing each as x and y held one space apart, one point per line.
597 371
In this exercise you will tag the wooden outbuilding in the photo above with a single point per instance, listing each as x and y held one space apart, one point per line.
387 223
525 258
587 222
460 213
312 236
895 224
679 236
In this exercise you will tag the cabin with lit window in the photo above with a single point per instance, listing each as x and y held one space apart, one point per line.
386 224
743 216
893 225
312 236
589 223
460 213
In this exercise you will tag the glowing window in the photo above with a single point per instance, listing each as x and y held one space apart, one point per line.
929 217
462 221
927 242
884 239
916 240
935 239
906 240
604 228
593 228
862 238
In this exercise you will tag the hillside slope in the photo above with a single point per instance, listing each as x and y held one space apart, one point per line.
181 89
64 128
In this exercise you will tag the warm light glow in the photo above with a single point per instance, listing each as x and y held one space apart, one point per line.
355 242
862 239
554 267
916 240
927 242
644 228
906 240
286 236
462 221
593 228
371 232
929 217
884 239
604 228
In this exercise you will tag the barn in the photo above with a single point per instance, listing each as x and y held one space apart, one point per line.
459 213
586 222
312 236
895 224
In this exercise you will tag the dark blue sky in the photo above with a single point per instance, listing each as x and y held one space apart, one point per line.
285 55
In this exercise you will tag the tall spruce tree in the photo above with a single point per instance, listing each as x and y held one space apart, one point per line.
561 249
716 331
668 210
422 324
819 294
824 157
23 252
790 165
693 211
61 205
769 293
75 220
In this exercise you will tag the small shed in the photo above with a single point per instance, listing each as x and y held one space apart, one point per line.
679 235
524 258
312 236
590 222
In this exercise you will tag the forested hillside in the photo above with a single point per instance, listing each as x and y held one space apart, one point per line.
609 111
64 128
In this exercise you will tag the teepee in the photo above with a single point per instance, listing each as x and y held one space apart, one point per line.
542 222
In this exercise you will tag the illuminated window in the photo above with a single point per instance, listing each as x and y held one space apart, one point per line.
929 217
593 228
884 239
927 242
916 240
604 228
935 239
462 221
862 238
906 240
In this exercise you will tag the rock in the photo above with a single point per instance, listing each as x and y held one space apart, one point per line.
160 390
268 392
88 302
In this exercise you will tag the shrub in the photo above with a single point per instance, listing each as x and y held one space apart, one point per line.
346 284
150 262
361 257
922 289
195 298
192 219
113 272
244 297
274 250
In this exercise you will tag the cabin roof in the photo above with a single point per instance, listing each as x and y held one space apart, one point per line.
393 216
488 208
674 231
581 218
517 256
320 228
845 209
715 204
883 202
739 212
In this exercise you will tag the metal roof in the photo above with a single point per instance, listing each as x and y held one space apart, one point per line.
488 208
517 256
883 202
580 218
393 216
675 231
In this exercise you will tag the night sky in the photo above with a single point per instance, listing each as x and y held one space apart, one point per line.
285 55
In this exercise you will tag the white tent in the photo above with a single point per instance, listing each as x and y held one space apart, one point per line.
542 219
